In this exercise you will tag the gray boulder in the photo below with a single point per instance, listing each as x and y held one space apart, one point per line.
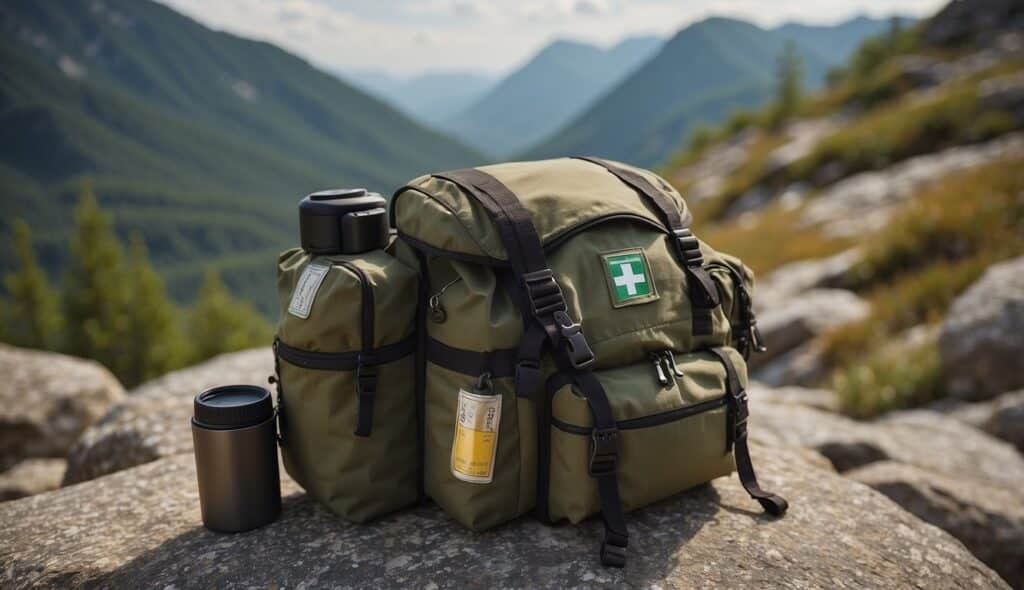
1002 417
819 399
794 278
922 438
31 476
142 528
153 421
989 521
47 400
981 341
804 316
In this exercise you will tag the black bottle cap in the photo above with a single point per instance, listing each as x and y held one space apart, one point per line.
232 406
343 221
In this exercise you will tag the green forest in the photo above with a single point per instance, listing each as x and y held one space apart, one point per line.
113 307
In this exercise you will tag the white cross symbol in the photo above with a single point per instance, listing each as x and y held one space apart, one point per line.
627 279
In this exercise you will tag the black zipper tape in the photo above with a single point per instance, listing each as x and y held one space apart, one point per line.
344 361
649 421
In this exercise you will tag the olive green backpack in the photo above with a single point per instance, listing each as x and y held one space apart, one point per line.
577 351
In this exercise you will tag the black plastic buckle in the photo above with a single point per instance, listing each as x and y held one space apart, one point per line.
543 292
366 375
741 412
527 377
604 451
580 353
688 246
613 549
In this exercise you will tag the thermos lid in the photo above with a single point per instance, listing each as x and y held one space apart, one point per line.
233 406
337 202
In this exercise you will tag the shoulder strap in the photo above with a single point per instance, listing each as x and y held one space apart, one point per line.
702 290
548 312
737 436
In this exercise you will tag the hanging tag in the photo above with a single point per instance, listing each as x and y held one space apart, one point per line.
476 437
305 291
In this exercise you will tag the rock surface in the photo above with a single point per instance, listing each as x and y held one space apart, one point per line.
988 521
47 400
819 399
794 278
982 339
864 202
153 421
142 528
805 316
922 438
1002 417
31 476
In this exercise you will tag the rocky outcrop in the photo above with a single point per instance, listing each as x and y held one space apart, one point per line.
153 421
802 317
982 339
864 202
713 167
963 21
922 438
819 399
1002 417
31 476
142 528
47 400
987 520
794 278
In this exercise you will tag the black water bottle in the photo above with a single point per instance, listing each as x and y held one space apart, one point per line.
235 438
343 221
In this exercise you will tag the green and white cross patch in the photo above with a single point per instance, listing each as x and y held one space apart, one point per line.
629 277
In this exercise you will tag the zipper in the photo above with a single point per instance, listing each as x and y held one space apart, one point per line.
665 367
437 312
367 303
652 420
558 239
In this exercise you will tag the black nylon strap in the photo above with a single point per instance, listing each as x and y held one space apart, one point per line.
343 361
772 503
603 467
702 290
499 363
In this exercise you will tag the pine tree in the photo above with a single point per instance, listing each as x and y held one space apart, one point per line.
155 343
31 312
789 86
220 323
95 294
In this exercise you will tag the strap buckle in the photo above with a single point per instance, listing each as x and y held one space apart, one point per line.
741 411
580 353
366 374
543 292
604 451
689 246
613 549
527 377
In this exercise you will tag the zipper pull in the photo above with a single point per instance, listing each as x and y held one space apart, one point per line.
437 311
659 369
670 360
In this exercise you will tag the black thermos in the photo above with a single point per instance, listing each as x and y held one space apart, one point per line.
343 221
233 430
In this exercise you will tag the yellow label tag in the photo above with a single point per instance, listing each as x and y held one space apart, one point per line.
476 437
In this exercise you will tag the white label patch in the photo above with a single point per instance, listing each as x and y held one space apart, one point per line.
305 291
476 437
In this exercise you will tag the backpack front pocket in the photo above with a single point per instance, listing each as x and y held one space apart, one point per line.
672 417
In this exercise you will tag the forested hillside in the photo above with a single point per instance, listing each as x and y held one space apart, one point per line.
200 141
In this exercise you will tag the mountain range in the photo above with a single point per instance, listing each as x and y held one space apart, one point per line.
545 93
200 140
431 97
704 72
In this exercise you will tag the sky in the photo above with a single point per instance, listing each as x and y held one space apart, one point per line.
408 37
